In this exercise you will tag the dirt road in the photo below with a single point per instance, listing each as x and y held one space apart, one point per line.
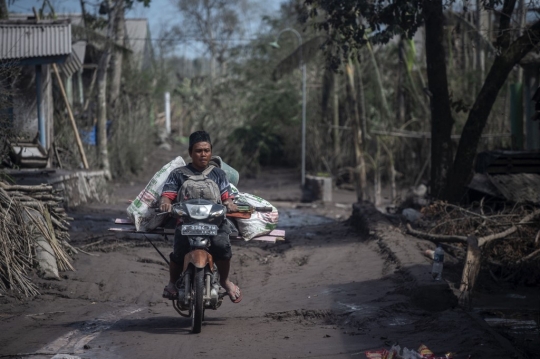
326 292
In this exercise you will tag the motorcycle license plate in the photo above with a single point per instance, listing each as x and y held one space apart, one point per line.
199 229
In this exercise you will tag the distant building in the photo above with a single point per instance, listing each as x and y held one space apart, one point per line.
28 49
140 42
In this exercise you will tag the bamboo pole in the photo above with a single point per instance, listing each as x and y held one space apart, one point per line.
71 118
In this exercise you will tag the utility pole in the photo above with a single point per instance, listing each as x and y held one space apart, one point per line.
168 113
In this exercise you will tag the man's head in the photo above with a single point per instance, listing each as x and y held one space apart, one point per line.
200 149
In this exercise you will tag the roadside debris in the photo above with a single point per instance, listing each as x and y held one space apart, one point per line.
34 228
504 239
396 352
411 214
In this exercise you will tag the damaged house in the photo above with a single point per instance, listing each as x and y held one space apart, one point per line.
31 51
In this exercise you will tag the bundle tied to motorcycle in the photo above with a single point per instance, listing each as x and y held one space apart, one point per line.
142 211
200 196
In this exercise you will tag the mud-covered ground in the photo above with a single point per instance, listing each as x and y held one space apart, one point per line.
326 292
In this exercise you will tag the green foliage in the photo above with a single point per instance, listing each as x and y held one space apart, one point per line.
8 76
348 23
253 120
273 114
130 3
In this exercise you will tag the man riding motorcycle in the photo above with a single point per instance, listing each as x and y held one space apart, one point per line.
200 151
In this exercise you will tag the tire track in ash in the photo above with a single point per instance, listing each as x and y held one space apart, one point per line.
76 341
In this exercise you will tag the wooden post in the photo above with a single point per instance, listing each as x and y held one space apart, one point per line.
71 118
470 272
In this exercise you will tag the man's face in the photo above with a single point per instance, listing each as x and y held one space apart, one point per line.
201 153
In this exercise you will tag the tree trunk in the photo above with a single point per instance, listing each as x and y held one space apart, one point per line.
482 27
361 104
117 56
335 108
103 153
441 116
3 10
479 113
400 91
377 185
361 132
360 174
380 87
470 272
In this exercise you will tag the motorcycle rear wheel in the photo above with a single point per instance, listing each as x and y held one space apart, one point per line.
197 307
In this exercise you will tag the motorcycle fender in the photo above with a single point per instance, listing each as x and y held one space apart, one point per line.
199 258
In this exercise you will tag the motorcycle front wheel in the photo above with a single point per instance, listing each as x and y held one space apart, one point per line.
197 308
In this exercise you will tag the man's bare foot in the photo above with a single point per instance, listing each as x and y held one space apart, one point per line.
233 291
170 291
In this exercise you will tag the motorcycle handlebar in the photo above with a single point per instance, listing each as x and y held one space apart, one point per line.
256 209
263 209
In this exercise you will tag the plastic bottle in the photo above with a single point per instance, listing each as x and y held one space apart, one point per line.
438 260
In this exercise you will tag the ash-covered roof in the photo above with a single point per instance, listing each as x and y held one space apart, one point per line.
22 39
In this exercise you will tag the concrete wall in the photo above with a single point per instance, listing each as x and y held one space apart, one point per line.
81 187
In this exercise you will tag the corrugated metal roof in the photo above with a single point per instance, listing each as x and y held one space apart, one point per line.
518 187
74 61
74 18
19 40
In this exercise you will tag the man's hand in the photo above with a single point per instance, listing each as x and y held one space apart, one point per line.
231 207
166 204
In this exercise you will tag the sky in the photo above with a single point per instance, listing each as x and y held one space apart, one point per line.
161 14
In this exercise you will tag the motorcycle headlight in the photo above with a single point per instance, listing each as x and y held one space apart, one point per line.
199 211
178 210
217 213
203 241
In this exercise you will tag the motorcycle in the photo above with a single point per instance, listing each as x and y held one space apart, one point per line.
198 286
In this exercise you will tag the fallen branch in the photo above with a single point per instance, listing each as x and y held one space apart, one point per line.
40 188
58 224
87 253
487 239
436 238
38 314
461 209
529 256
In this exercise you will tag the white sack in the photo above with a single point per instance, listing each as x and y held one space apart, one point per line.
46 259
44 252
260 223
142 210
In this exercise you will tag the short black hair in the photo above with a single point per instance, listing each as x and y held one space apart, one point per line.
199 136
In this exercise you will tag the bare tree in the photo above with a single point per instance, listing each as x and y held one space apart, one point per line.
117 56
103 152
214 23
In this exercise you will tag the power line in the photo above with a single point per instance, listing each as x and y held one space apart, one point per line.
192 39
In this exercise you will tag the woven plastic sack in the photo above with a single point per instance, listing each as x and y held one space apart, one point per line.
234 191
142 210
260 223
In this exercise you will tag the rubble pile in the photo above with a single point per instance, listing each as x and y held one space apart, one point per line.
33 234
509 236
